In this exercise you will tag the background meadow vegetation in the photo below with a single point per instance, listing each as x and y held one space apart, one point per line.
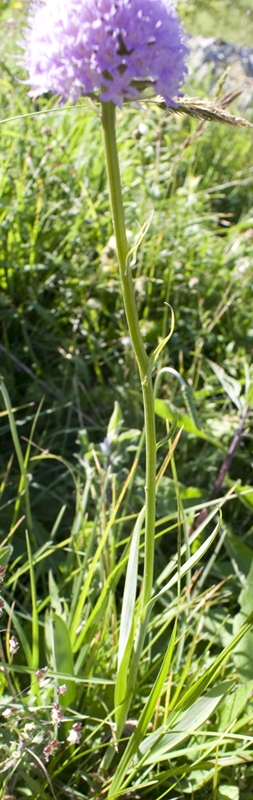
71 425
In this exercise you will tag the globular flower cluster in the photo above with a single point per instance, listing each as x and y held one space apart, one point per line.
82 47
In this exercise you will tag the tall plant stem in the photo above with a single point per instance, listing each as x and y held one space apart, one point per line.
113 173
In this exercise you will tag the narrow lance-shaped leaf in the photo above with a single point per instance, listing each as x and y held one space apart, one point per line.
64 657
162 741
127 619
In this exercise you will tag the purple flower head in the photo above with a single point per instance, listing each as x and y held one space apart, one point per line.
80 47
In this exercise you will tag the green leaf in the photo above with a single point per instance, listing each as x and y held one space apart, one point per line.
229 712
141 727
5 554
186 392
195 780
163 409
127 619
189 402
2 683
154 356
121 683
249 396
132 253
54 594
35 620
245 494
162 742
231 386
130 587
114 422
63 657
23 638
239 552
243 653
130 434
166 496
197 555
226 792
94 619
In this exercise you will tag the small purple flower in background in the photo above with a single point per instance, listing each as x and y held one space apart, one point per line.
1 606
41 676
13 645
62 689
50 749
9 712
2 574
28 729
78 47
75 733
56 714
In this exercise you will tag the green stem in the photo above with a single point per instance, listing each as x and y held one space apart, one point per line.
113 173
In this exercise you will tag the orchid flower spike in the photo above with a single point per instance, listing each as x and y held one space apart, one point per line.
103 48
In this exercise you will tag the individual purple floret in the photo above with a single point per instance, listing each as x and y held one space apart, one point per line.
80 47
